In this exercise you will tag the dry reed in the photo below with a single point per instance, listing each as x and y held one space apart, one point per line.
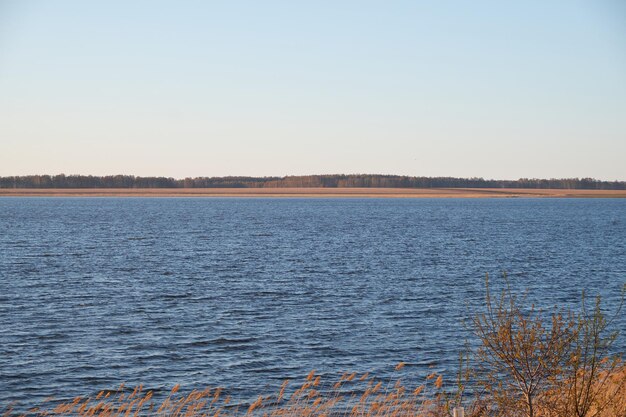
351 395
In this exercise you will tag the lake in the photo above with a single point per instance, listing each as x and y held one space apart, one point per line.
243 293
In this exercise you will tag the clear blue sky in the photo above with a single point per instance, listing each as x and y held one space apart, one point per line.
496 89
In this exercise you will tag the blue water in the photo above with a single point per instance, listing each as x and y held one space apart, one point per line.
243 293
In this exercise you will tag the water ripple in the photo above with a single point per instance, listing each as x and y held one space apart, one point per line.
246 293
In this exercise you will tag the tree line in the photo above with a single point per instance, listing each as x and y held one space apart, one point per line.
307 181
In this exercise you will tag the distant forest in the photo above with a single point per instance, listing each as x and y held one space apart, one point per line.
331 181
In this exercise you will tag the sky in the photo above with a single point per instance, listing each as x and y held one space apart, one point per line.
487 89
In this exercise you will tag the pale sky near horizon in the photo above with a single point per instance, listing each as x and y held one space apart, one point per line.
212 88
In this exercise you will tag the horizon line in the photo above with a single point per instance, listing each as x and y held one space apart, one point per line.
580 178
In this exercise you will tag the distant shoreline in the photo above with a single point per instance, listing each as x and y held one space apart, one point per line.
314 192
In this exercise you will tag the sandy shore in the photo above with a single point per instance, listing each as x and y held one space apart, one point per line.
316 192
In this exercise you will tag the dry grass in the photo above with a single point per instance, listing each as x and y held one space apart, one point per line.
615 394
348 395
610 402
316 192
